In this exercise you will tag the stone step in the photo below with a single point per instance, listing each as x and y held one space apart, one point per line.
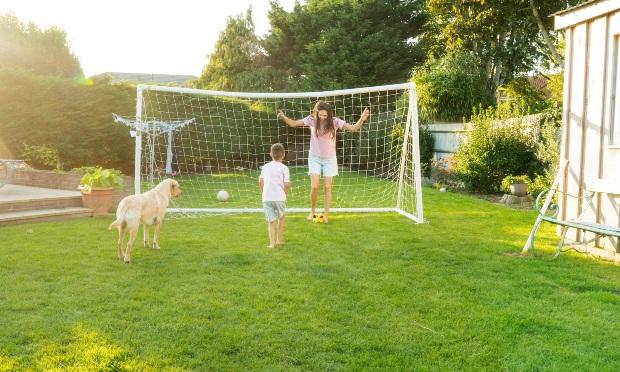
41 203
43 215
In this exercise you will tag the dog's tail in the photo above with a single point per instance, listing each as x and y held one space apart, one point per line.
117 223
114 224
120 221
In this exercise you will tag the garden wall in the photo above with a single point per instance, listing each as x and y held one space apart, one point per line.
59 180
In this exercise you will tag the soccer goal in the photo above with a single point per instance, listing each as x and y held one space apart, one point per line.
212 141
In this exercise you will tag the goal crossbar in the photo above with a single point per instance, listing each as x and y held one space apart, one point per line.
327 93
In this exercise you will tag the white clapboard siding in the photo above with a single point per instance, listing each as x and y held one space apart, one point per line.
593 118
591 78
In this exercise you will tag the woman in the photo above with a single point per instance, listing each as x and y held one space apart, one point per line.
322 157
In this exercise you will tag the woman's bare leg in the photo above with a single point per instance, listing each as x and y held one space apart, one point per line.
314 192
328 181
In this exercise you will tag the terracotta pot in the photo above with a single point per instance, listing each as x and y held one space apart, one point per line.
518 189
100 199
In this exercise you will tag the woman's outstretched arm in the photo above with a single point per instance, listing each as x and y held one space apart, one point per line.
290 122
360 122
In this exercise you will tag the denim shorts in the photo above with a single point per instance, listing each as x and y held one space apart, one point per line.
274 210
320 166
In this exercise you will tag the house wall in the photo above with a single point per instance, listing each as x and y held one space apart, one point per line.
590 78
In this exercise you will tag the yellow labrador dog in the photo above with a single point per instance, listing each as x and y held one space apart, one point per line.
148 209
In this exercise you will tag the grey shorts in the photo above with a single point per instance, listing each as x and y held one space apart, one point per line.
274 210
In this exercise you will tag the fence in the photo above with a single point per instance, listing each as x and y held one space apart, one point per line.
448 136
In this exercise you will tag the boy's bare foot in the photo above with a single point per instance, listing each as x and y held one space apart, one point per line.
310 217
279 243
325 220
270 246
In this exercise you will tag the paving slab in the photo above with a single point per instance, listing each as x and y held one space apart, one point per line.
10 192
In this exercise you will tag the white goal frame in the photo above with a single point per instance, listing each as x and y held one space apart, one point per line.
411 125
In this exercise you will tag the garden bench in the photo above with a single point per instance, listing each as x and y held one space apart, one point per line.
580 223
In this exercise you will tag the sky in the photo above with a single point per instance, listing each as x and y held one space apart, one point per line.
148 36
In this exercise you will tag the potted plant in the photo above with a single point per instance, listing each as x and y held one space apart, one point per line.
97 186
516 185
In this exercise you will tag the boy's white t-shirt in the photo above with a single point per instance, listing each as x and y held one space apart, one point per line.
274 174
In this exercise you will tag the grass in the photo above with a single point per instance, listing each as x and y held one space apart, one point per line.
362 293
351 189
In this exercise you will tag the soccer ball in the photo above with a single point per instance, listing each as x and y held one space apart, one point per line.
318 218
222 195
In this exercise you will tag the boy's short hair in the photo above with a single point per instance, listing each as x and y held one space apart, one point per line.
277 151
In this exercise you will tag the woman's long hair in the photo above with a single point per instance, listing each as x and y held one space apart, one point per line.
329 127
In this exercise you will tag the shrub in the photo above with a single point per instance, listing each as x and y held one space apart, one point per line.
41 157
442 176
493 150
427 143
387 151
540 184
548 146
70 117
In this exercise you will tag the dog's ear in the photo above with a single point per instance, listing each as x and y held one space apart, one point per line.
174 188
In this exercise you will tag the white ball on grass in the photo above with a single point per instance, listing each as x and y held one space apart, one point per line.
222 195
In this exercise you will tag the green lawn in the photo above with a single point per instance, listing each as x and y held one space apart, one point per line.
352 189
365 292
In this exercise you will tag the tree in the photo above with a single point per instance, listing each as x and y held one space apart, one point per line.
47 114
505 34
234 51
557 58
343 43
44 52
72 120
238 62
319 45
449 87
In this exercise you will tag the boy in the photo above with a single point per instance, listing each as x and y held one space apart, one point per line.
274 183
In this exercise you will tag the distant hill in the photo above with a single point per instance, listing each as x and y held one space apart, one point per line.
141 78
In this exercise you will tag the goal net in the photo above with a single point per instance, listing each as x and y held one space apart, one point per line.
212 141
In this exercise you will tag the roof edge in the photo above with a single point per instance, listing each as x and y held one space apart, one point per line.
583 12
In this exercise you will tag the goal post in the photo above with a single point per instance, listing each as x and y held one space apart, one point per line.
226 136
